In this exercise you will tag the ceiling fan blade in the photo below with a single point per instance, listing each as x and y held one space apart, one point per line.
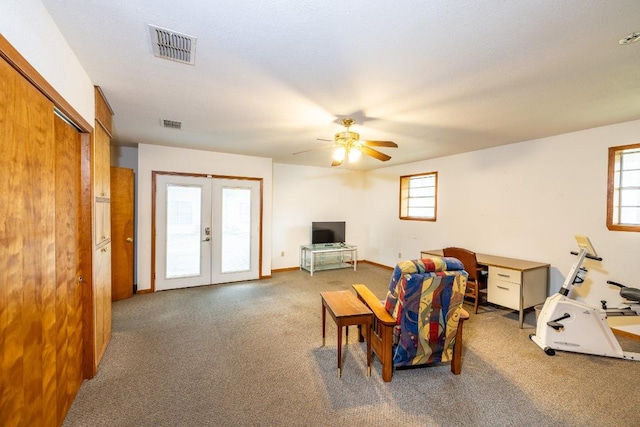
389 144
322 139
374 153
335 162
324 147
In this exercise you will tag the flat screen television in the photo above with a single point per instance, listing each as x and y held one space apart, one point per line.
328 232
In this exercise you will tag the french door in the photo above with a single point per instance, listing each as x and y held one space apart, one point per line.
207 230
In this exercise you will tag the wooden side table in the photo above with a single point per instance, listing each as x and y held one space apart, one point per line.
346 309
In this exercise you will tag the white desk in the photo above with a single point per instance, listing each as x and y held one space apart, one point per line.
513 283
328 257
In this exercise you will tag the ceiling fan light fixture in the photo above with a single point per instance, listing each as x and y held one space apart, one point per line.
347 136
339 154
347 145
354 155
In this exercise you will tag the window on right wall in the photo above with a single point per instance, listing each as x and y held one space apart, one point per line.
623 188
418 196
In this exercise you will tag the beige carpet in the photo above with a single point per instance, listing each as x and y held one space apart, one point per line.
249 354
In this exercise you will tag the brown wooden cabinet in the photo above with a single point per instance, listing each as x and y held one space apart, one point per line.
99 333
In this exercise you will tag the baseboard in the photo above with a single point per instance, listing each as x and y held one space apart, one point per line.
281 270
376 264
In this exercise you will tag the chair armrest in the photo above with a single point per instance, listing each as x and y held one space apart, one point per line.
374 304
464 314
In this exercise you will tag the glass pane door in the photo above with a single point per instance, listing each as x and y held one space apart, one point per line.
236 230
183 254
236 217
207 230
183 231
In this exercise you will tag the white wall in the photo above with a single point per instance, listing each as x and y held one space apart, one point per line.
167 159
524 200
304 194
29 28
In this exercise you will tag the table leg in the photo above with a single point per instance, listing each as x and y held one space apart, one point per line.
347 333
521 318
355 259
324 318
521 311
340 350
312 259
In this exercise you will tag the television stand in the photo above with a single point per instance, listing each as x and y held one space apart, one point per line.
328 256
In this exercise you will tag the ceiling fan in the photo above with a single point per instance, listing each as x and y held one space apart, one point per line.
348 145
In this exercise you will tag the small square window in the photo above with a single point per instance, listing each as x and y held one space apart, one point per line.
418 196
623 188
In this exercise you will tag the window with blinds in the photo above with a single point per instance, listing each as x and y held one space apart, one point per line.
623 188
418 196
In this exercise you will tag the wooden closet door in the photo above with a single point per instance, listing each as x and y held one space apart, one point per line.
27 273
40 304
68 287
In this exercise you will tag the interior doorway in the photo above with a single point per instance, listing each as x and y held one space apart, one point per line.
207 230
122 233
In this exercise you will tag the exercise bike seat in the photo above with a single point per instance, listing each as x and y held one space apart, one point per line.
632 294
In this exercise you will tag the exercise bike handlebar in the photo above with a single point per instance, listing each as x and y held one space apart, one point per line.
620 285
597 258
631 294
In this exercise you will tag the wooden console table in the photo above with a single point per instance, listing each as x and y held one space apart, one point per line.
346 309
513 283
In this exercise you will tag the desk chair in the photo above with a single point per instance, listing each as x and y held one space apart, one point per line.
477 280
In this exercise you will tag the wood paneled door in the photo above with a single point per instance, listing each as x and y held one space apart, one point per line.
42 241
122 244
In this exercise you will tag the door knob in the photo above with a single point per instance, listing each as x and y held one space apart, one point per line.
129 240
207 239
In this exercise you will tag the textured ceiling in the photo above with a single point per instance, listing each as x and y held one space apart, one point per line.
437 77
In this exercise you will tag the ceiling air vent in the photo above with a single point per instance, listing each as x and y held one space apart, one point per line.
173 46
171 124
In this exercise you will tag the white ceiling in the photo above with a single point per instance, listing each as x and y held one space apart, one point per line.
437 77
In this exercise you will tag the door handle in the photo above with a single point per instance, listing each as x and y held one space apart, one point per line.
129 240
207 239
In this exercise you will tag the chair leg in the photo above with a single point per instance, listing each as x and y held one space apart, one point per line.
387 358
477 300
456 361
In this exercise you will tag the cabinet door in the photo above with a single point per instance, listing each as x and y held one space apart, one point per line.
101 162
102 299
103 222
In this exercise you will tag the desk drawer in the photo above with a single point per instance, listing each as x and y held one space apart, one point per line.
508 275
503 287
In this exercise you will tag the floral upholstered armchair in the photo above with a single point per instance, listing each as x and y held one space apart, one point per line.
420 322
